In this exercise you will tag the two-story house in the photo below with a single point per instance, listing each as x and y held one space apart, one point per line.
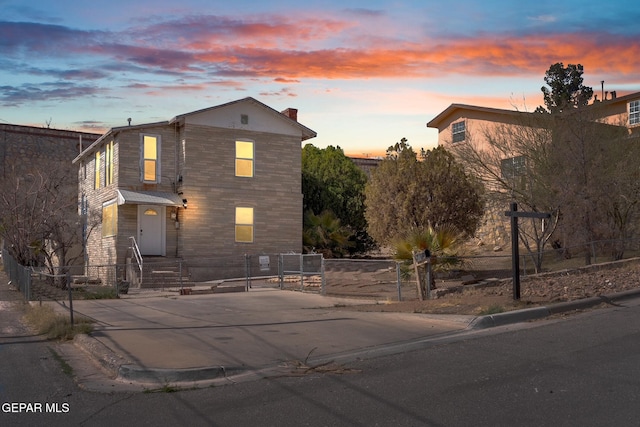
461 124
206 187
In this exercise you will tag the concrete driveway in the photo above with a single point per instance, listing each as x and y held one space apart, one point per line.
247 331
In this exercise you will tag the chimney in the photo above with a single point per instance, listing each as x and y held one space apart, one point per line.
292 113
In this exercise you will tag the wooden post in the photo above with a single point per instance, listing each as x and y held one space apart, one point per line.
515 243
422 259
416 266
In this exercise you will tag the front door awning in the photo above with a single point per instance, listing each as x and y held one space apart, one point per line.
129 197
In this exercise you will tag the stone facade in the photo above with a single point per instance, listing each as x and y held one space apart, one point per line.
27 149
200 189
22 146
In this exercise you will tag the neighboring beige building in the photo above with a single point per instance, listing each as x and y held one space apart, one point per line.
460 124
206 187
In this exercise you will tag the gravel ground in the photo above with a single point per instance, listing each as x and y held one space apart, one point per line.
538 290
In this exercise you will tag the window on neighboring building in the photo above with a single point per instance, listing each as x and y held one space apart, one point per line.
150 161
108 164
244 225
634 113
458 131
513 169
97 170
244 158
109 219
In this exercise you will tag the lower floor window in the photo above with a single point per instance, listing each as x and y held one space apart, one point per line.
244 225
109 219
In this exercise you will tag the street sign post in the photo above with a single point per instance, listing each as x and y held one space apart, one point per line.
515 243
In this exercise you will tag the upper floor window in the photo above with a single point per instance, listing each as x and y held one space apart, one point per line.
108 164
97 169
244 158
634 113
150 158
244 225
458 131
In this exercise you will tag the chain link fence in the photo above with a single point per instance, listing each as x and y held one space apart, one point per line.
380 279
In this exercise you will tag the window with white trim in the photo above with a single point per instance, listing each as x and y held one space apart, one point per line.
458 131
109 219
512 167
150 158
244 225
97 170
244 158
634 113
513 170
108 164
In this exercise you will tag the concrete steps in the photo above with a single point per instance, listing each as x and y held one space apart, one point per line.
165 273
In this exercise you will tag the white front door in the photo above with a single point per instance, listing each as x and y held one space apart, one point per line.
150 229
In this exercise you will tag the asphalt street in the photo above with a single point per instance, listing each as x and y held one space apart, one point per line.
580 369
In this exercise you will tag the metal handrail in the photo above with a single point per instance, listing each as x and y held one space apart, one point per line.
136 253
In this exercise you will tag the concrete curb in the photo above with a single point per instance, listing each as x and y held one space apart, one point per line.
517 316
120 369
161 376
106 358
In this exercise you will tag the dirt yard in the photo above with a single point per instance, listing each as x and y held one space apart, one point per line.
534 290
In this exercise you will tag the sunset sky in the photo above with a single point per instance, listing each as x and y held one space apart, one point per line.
362 74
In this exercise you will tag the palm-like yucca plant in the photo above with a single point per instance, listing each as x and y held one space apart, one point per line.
324 233
443 243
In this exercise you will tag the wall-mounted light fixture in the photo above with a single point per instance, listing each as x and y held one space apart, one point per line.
184 203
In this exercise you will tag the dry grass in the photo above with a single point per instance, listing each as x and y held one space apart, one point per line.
55 326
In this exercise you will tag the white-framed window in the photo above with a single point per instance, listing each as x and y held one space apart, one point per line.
97 170
634 113
512 167
513 170
109 219
244 224
458 130
244 158
108 164
150 158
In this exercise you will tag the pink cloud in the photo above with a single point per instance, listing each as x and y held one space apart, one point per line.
288 49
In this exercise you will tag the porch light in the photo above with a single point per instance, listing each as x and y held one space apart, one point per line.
184 203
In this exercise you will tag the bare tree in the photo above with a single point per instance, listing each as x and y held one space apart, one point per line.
512 160
596 167
39 219
585 173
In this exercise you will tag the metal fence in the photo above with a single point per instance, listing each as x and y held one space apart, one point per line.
301 271
382 279
368 278
39 284
496 262
19 275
